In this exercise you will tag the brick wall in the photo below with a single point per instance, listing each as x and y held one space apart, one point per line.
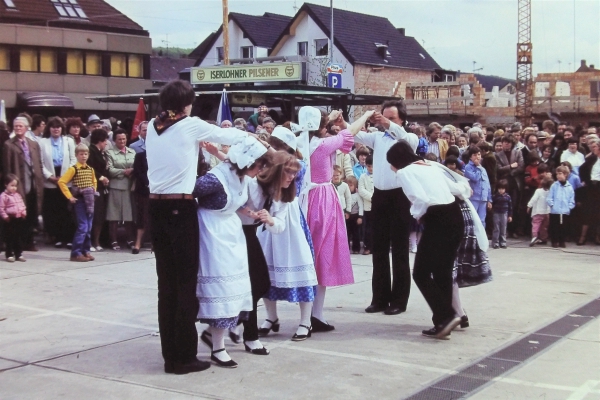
381 80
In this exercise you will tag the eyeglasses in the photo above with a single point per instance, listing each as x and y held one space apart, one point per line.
290 173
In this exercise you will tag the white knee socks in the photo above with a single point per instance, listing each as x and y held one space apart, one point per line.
271 307
319 302
456 303
305 309
218 339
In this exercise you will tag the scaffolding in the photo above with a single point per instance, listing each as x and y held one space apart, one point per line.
524 85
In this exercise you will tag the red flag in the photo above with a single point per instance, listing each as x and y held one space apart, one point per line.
140 116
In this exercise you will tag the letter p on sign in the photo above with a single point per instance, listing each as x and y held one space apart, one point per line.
334 80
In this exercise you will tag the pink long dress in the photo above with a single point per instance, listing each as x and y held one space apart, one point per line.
325 216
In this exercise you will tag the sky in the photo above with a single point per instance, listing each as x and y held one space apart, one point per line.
463 35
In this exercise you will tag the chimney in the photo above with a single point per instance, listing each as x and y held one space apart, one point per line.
402 31
592 66
583 64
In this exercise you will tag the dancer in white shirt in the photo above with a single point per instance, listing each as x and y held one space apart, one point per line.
433 200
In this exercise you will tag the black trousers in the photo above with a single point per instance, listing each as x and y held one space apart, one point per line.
175 235
13 235
367 230
31 220
58 221
259 280
353 232
557 229
442 233
391 225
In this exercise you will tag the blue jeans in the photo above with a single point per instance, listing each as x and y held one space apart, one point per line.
82 238
481 207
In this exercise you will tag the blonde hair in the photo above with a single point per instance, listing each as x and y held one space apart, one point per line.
82 148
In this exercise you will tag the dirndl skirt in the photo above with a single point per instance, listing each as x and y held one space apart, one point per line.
472 265
119 206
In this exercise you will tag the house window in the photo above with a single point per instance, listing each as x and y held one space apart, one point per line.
321 47
302 48
118 65
247 52
48 61
4 59
136 66
75 62
68 8
594 89
93 64
29 60
449 78
220 54
9 4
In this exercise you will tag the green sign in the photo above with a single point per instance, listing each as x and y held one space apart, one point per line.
273 72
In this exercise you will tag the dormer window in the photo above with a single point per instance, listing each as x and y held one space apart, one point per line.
9 4
382 49
68 9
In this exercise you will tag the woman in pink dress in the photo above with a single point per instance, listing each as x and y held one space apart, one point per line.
325 217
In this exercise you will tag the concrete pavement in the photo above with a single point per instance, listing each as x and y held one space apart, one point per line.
88 330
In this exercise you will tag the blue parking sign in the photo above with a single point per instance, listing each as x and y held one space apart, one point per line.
334 80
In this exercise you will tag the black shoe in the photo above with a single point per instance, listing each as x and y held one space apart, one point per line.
206 337
135 250
224 364
259 352
496 246
186 368
274 327
435 333
394 310
235 338
562 244
464 321
447 327
503 246
320 326
299 338
374 308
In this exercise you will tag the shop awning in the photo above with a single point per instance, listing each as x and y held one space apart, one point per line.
43 99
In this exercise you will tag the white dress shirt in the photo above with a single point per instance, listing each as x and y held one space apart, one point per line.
173 155
426 184
576 159
383 177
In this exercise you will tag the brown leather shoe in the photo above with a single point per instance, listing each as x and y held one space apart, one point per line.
80 258
89 257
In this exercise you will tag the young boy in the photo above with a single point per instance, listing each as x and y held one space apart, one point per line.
356 215
342 189
502 208
361 167
540 213
561 200
81 195
452 163
572 177
365 190
479 182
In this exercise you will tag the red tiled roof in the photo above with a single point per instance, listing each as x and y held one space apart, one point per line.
101 16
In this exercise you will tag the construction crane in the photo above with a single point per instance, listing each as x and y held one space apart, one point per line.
524 65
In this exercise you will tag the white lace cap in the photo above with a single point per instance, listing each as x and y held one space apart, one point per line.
286 136
309 118
245 152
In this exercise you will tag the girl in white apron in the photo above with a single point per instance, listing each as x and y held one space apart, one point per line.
223 288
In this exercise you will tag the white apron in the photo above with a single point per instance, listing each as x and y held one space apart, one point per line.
223 288
288 255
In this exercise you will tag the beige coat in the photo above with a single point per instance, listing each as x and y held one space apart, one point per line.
343 160
14 163
366 189
117 163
